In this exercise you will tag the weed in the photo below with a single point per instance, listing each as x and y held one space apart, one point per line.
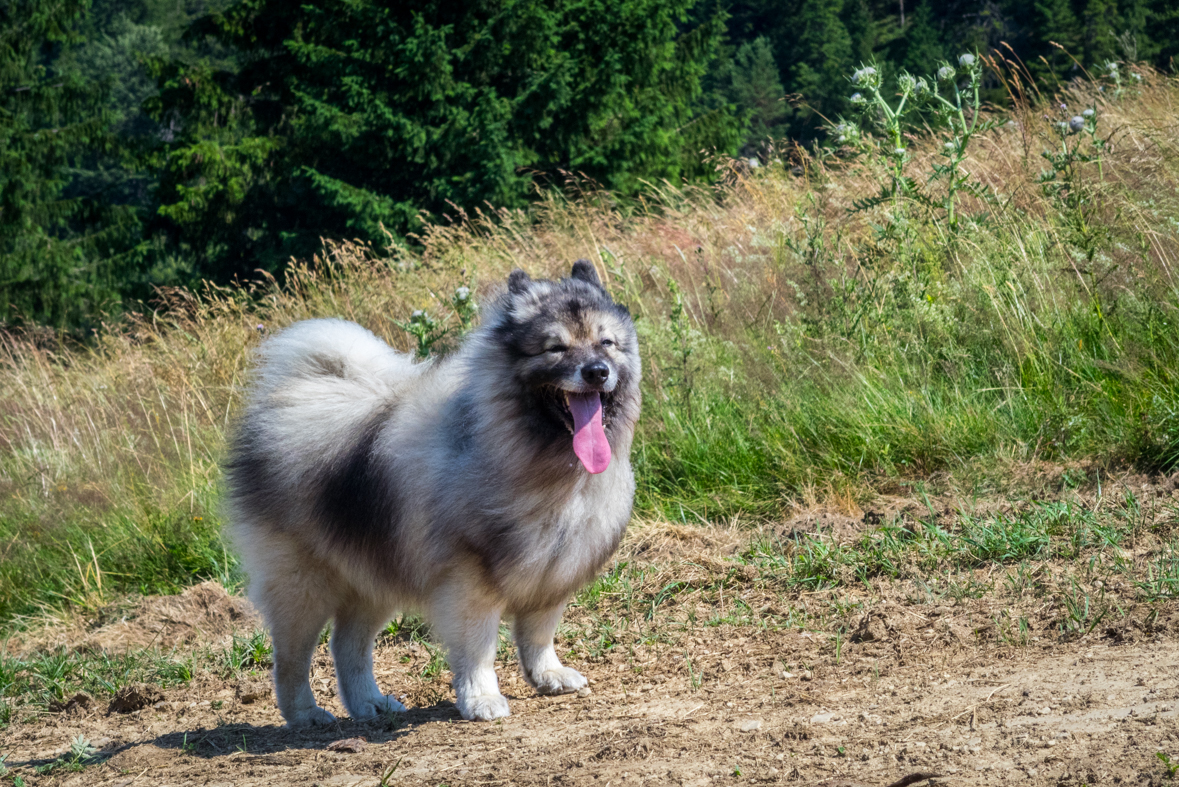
1171 767
248 652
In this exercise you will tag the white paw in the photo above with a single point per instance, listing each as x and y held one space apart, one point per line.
563 680
484 707
314 716
377 706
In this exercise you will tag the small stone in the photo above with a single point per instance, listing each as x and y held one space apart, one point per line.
822 718
584 691
785 674
348 745
750 725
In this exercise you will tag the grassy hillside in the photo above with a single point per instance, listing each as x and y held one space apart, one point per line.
801 345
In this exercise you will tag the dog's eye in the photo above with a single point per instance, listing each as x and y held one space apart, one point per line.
556 348
607 342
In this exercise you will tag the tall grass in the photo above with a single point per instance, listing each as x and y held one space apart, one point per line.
795 346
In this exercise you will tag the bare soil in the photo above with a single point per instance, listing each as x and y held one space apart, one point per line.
902 690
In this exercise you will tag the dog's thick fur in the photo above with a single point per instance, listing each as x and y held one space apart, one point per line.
362 484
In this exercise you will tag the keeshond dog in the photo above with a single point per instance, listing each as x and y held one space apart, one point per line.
495 481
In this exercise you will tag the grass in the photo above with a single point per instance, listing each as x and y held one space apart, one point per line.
803 343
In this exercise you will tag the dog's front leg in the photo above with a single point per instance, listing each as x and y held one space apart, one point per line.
538 660
467 622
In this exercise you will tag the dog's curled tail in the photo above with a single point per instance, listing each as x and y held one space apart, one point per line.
317 383
328 354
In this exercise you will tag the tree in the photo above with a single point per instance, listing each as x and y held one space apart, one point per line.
923 50
350 116
751 83
1055 23
59 251
824 60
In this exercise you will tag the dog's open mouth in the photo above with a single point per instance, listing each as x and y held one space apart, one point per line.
584 415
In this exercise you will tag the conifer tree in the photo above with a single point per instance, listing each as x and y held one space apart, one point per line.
923 50
57 262
824 51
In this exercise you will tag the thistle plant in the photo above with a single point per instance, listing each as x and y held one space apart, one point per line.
950 100
1076 144
429 332
425 329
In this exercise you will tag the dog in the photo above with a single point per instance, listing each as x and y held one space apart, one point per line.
495 481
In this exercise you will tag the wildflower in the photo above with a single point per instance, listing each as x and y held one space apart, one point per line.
907 83
1088 113
945 73
864 76
462 294
857 98
1111 66
899 152
966 60
1137 77
1064 107
754 163
1076 124
922 86
950 145
260 328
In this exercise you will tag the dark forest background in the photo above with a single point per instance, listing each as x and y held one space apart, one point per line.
162 142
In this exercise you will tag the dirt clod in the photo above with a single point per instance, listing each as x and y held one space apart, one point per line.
79 702
135 697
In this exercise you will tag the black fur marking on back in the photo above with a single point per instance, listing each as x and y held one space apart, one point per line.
251 479
359 503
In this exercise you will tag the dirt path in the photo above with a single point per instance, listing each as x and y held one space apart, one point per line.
706 666
1090 714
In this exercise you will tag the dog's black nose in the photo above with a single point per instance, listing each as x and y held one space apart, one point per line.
595 372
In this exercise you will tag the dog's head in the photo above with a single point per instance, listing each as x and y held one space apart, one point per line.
573 358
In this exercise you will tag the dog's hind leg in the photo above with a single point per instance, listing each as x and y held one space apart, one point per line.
356 625
467 622
296 614
538 659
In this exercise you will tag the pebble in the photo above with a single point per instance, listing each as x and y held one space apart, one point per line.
584 691
822 718
749 725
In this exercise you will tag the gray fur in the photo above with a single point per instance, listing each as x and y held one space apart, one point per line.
362 484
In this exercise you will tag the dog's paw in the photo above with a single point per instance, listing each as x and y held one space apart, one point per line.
563 680
484 707
377 706
314 716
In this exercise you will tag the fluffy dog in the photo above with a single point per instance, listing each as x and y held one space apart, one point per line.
495 481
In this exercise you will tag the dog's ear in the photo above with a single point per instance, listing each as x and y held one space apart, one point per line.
518 282
584 270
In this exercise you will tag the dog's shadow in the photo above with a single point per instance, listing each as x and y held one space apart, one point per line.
274 739
250 739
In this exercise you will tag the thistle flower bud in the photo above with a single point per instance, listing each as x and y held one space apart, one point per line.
946 73
864 76
907 83
966 60
1076 124
857 98
1088 113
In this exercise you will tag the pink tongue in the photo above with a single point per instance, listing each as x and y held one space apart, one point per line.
589 438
